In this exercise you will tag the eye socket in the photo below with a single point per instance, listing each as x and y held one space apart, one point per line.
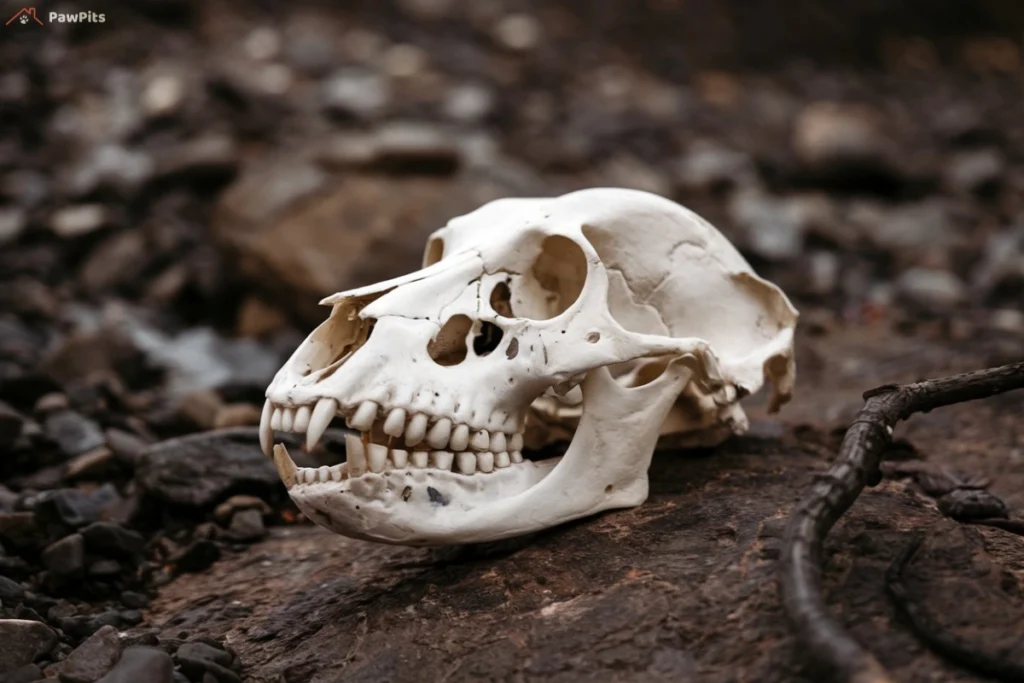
487 339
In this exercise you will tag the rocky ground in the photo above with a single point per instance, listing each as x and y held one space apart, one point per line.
181 184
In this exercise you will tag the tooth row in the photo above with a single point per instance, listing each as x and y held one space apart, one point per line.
312 475
442 435
372 457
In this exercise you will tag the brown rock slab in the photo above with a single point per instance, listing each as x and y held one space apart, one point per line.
92 659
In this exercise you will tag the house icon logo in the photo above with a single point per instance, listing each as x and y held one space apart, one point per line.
24 16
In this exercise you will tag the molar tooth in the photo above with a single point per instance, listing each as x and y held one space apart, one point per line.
394 425
516 442
266 431
275 419
416 430
356 455
439 433
322 415
481 440
516 456
287 419
376 456
362 419
498 442
485 461
285 466
502 460
400 458
460 438
420 459
467 462
442 460
302 415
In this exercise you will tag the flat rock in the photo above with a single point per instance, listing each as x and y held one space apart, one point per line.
65 557
141 663
23 641
93 658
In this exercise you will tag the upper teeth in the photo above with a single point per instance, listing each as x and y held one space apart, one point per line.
440 445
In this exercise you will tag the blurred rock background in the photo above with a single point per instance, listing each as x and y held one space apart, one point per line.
180 184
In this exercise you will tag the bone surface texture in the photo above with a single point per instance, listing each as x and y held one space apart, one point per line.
603 318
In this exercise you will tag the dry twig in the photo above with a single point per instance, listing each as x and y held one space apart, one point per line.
828 646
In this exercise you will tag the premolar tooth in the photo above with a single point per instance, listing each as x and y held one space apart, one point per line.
287 419
416 430
400 458
420 459
355 455
498 442
275 419
322 415
502 460
266 431
460 438
485 461
516 442
377 457
285 466
481 440
336 473
395 424
516 456
302 414
467 462
364 416
439 433
442 460
324 473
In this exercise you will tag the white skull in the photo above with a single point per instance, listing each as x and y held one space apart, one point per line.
615 312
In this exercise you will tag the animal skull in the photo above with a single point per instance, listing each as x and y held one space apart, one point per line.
615 312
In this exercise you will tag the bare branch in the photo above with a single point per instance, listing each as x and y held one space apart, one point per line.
827 645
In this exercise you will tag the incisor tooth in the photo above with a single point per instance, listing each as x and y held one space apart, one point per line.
322 415
395 424
275 419
376 457
364 416
442 460
420 459
481 440
355 455
400 458
498 443
439 433
467 463
516 442
502 460
287 419
266 431
302 414
416 430
285 465
485 461
460 438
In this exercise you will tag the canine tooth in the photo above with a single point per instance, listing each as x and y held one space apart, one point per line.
502 460
364 416
324 473
376 456
285 466
460 438
266 431
485 461
322 415
516 456
302 415
498 442
467 462
420 459
439 433
481 440
287 419
356 455
416 430
275 419
442 460
395 424
400 458
516 442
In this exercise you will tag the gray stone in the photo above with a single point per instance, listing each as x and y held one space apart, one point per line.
93 658
24 641
975 170
78 220
356 92
774 227
247 525
138 664
74 433
931 287
65 557
106 538
708 165
12 224
11 592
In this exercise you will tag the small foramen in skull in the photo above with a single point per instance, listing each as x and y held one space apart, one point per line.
605 316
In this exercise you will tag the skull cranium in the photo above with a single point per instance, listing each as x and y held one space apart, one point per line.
614 313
